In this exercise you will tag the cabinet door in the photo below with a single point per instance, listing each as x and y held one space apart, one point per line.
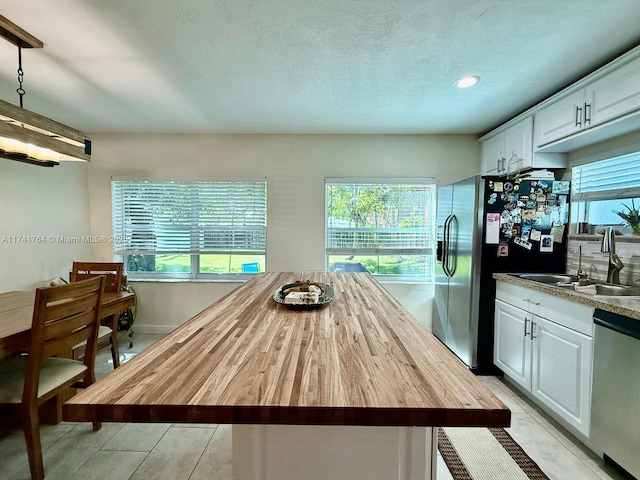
560 119
518 145
493 155
615 94
512 344
561 372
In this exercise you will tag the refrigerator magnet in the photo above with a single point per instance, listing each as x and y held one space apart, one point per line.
546 243
560 186
492 232
503 249
522 243
497 186
535 235
556 232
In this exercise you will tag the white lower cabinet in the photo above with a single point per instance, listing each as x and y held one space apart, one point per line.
561 370
512 346
549 360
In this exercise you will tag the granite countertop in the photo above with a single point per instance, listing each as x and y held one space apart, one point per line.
627 306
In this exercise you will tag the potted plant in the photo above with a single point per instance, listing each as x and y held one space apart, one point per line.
631 217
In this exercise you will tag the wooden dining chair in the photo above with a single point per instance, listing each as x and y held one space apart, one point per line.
112 271
62 316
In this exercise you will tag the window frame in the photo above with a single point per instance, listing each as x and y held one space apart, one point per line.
194 258
428 251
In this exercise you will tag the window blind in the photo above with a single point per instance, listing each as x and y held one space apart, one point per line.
390 218
617 177
194 217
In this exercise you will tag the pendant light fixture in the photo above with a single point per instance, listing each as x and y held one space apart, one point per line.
26 136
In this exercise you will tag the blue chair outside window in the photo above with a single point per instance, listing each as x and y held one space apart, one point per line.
252 267
347 267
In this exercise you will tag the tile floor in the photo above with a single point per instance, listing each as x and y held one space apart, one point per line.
197 452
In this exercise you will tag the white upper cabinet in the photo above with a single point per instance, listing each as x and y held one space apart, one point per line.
607 104
509 150
493 159
560 119
518 141
615 94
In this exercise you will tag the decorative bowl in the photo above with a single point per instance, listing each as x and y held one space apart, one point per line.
325 297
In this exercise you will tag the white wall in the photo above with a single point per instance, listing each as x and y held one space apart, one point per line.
295 167
41 204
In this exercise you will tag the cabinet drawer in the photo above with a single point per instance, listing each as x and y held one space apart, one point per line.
572 315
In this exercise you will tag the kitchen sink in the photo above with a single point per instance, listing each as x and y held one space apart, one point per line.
617 290
549 278
566 280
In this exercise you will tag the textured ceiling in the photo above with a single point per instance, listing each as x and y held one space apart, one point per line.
284 66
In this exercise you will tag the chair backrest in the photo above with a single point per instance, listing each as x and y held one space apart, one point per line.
111 270
63 316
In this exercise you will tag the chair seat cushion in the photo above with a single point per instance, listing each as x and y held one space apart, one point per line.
103 331
53 373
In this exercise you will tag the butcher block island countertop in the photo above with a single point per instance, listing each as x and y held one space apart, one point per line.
361 360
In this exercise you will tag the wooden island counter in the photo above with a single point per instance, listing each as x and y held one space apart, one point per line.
348 391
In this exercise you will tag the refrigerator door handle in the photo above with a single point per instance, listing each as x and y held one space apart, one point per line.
452 254
445 246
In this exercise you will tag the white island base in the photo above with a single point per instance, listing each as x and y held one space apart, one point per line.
305 452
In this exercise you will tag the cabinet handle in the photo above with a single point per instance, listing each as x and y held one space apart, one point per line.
533 325
578 116
526 320
587 114
528 300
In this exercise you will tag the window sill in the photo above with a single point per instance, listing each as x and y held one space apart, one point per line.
188 280
619 238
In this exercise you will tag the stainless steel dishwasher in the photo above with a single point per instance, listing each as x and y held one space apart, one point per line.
615 408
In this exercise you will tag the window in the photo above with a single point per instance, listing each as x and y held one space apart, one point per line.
381 226
189 229
600 189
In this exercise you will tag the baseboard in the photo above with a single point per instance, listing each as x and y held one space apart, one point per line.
154 329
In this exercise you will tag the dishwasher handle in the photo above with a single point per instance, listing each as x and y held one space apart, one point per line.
617 323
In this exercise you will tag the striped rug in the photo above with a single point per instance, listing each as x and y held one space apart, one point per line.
485 454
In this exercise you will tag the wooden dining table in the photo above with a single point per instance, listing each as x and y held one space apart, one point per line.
16 315
353 390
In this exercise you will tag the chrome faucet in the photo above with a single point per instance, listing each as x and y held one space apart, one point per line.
580 274
615 264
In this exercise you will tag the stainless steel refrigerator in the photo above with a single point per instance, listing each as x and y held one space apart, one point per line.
487 225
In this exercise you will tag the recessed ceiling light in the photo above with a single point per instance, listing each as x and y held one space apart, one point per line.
466 82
